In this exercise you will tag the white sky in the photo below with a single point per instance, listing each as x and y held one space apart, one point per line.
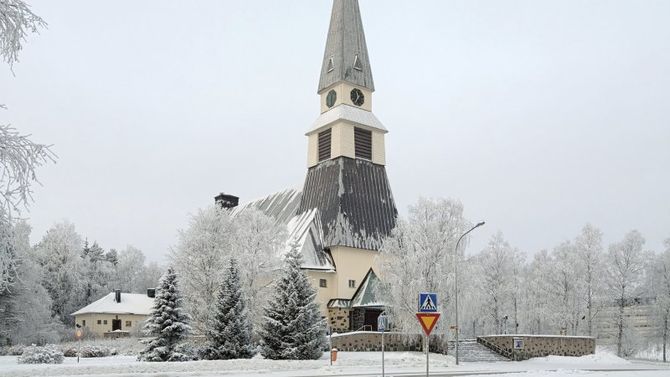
539 116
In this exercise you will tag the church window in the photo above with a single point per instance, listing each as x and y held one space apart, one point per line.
331 64
99 322
363 143
352 283
324 145
104 321
357 64
323 283
83 322
129 323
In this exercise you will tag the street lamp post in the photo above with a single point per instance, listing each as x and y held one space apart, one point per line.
456 279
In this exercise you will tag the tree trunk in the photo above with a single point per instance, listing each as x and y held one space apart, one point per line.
620 325
665 336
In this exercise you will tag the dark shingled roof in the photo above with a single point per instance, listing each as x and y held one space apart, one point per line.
354 201
346 41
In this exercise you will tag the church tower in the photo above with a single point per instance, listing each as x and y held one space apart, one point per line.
346 184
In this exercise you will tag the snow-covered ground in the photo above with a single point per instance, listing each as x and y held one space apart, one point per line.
349 363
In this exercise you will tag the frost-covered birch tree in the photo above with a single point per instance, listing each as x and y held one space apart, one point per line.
257 244
418 257
17 21
200 258
25 310
563 280
661 287
625 268
589 249
59 253
212 238
496 264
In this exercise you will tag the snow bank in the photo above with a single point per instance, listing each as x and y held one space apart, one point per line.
602 358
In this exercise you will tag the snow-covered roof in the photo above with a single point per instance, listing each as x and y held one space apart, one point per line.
131 303
304 230
366 294
350 114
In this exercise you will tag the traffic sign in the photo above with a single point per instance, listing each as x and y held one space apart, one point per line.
428 321
427 302
381 323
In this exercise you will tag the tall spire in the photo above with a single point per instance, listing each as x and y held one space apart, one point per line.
346 56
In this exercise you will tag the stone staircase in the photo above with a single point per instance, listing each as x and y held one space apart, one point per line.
471 351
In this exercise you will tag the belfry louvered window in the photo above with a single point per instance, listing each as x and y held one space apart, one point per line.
363 143
324 145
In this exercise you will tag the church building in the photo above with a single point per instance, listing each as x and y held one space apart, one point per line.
345 208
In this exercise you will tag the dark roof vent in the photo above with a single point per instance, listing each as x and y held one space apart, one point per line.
117 296
151 292
226 201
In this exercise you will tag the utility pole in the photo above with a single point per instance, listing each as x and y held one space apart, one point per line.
456 279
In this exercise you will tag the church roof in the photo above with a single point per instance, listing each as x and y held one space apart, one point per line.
346 57
348 113
304 229
366 294
355 203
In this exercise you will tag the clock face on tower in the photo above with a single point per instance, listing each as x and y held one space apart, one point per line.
357 97
331 98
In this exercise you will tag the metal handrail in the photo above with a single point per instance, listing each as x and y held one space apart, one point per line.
364 327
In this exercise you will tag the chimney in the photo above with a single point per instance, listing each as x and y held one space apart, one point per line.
226 201
151 292
117 296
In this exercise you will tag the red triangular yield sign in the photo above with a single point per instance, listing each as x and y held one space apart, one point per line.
428 321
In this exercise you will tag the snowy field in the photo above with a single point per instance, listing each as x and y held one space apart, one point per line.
349 364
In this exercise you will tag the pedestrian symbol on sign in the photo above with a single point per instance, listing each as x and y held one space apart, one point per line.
427 302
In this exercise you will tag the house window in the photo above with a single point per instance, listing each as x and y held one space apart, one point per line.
324 145
363 143
100 322
323 283
104 322
352 283
129 323
83 322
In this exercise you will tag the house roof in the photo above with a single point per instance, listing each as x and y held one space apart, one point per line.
131 303
346 56
354 200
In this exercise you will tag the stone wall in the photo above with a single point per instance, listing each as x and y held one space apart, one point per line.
540 345
338 319
372 341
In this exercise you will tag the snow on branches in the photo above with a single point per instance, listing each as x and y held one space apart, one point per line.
292 326
229 332
19 158
167 323
17 20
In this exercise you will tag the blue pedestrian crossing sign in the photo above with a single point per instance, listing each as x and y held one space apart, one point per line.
427 302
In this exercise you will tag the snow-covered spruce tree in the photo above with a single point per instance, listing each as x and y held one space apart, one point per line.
229 332
167 322
292 326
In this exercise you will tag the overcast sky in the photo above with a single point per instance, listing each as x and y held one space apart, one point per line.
540 116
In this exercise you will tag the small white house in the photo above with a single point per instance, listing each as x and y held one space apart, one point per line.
117 313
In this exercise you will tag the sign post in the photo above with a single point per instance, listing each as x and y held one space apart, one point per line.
78 335
427 316
381 326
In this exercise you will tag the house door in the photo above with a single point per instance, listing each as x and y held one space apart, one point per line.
371 318
116 324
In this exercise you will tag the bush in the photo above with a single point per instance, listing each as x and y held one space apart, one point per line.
48 354
89 350
16 350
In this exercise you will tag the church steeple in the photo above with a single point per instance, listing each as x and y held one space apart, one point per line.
346 57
